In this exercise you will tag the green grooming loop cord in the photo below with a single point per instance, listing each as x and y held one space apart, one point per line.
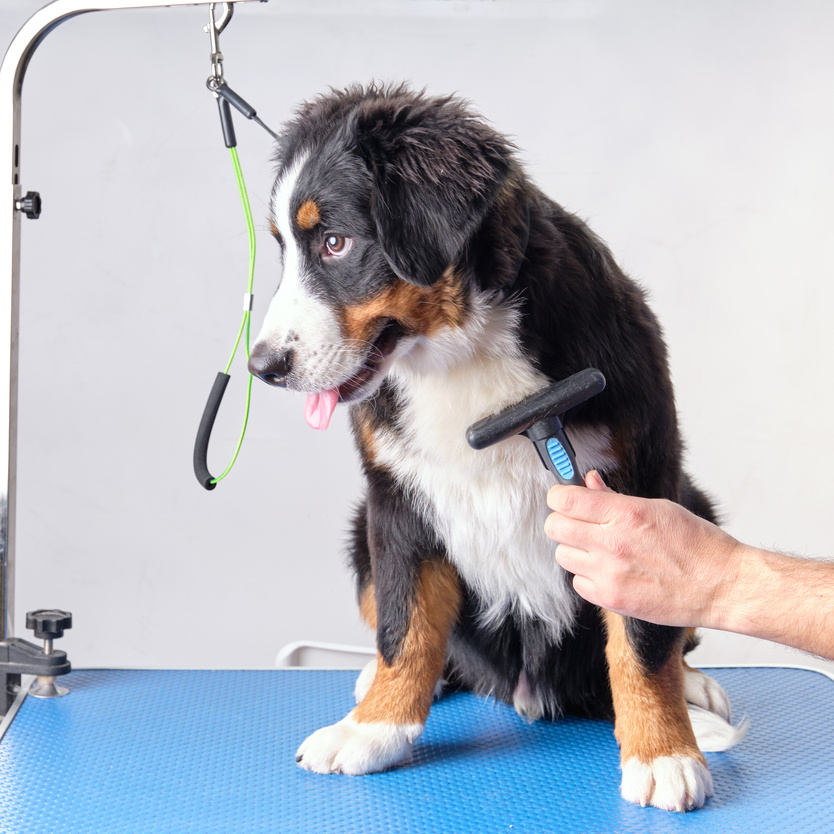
215 397
246 322
226 99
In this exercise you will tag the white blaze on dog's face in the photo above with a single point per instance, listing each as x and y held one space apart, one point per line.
340 315
301 342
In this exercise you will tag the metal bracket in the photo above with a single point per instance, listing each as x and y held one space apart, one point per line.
20 657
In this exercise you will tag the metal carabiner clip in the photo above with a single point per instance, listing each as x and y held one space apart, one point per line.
215 81
214 28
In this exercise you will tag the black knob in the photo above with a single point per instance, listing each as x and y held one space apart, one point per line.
30 205
49 624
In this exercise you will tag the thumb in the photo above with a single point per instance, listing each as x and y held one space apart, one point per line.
593 480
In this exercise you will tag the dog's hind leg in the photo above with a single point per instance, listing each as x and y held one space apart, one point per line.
661 762
381 729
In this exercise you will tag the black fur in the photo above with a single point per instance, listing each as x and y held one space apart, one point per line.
571 677
394 527
429 187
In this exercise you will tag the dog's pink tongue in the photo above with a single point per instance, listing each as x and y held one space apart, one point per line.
320 407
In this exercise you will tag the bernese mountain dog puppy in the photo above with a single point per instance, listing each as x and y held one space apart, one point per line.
427 283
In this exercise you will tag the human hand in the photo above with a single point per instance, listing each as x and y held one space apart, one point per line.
644 558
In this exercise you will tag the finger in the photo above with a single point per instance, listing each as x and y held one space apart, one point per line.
573 559
587 589
591 505
594 481
568 531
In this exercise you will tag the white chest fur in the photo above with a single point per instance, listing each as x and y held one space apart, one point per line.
488 506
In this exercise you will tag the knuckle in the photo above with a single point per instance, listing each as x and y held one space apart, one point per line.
568 500
618 548
614 599
632 515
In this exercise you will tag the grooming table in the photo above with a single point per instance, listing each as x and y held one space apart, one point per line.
214 751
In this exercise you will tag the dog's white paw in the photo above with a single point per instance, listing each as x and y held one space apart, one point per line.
364 681
702 691
354 748
673 783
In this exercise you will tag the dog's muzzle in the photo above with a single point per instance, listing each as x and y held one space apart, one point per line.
273 368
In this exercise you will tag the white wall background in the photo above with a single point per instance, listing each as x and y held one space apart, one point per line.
695 137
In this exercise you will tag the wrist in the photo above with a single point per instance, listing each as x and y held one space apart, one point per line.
756 592
732 595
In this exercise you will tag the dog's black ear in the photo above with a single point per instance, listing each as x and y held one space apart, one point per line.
436 170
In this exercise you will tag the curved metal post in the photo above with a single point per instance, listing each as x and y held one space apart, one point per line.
12 72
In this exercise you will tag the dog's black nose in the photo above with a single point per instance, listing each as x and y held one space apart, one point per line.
272 368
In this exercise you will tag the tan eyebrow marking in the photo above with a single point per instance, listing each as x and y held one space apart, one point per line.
308 216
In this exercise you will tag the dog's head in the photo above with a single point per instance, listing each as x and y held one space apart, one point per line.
379 196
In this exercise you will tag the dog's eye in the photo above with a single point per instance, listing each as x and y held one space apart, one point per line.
337 246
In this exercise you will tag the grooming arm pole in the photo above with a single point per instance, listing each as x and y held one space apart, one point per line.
12 71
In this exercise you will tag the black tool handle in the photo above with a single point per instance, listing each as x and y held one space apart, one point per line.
556 399
204 432
555 450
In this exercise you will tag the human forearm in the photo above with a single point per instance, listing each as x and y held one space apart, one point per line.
780 598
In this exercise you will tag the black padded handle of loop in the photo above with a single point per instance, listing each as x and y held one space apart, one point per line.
556 399
240 104
201 444
226 123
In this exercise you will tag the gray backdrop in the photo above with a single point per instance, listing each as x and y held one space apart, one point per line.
695 137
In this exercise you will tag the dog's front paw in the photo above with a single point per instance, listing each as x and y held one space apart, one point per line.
673 783
354 748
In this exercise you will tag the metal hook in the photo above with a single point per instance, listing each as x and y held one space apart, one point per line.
214 28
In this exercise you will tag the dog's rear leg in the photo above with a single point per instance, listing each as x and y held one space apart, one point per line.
661 762
380 731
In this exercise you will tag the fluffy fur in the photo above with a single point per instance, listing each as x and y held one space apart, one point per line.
428 283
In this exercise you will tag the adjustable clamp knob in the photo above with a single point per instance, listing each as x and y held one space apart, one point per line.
49 624
30 205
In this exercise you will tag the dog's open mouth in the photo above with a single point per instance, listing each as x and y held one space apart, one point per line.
320 407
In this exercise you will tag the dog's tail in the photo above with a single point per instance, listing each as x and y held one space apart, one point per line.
713 733
710 714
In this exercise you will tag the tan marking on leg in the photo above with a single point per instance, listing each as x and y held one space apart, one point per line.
420 310
402 692
308 216
367 606
651 714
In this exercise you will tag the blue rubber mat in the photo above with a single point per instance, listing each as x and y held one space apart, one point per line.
186 751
